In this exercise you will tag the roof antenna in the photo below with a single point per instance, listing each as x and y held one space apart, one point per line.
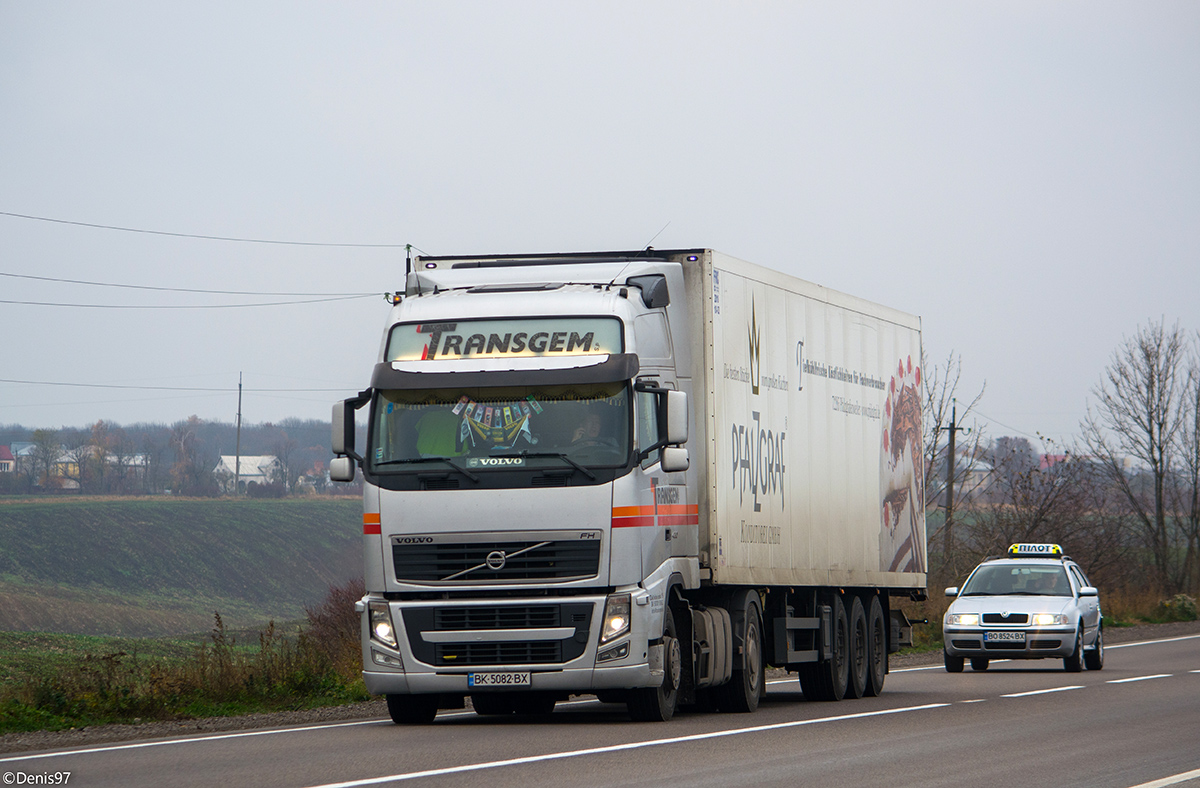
646 250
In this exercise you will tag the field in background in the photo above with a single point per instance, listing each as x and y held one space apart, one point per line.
151 567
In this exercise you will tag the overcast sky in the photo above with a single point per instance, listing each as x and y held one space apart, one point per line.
1025 177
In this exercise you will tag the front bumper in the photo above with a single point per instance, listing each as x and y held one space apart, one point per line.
435 657
1037 643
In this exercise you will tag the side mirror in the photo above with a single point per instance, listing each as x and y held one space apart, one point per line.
677 417
674 459
342 438
1089 591
341 469
952 591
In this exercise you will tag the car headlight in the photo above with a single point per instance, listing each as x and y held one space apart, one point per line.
381 624
1048 619
963 619
616 617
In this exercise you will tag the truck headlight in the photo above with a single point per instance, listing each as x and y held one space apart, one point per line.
1048 619
616 617
962 619
381 624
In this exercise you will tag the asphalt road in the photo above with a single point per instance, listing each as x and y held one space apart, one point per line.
1135 723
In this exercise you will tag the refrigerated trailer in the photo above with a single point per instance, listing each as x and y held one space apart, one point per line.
647 476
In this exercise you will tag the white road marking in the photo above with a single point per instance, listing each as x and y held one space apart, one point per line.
1042 691
1173 779
1150 642
1139 678
976 700
473 767
214 737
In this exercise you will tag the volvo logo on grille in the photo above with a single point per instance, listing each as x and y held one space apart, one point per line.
496 560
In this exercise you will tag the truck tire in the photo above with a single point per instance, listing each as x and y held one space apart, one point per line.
657 704
740 695
1074 663
827 680
859 640
412 709
1094 659
492 703
877 653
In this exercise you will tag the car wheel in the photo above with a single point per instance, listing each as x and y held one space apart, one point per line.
1074 663
979 663
953 664
1094 659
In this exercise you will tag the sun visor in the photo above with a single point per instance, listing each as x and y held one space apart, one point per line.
505 372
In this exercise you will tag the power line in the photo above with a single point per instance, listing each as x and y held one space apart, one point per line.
196 235
160 388
172 289
183 306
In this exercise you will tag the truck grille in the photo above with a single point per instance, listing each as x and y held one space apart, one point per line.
489 562
482 618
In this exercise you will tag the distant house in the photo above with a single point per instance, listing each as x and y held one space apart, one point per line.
257 468
8 463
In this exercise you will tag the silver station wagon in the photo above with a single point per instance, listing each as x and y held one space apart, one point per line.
1033 603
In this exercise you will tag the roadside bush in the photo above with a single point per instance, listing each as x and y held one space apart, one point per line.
1180 607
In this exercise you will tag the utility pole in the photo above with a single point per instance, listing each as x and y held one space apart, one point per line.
237 451
947 533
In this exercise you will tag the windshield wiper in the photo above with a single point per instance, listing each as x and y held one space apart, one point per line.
562 456
448 460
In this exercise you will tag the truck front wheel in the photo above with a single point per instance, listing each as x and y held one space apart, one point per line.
412 709
657 704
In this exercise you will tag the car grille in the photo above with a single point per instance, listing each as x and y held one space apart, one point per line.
1013 619
467 562
481 618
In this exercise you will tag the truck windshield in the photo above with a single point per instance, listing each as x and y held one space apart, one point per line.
482 429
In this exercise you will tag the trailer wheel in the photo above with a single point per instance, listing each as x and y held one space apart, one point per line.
742 692
657 704
412 709
859 640
827 680
877 653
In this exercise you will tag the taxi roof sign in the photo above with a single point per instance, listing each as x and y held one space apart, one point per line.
1034 550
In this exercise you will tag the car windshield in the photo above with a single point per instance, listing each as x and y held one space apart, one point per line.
501 428
1014 579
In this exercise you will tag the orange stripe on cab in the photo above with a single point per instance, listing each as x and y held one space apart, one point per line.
371 523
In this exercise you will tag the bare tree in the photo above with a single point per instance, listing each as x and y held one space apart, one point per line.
1139 415
46 451
1186 490
940 384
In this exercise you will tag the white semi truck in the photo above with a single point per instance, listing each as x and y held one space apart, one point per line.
646 476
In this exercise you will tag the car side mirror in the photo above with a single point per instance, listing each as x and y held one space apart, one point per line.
952 591
1089 591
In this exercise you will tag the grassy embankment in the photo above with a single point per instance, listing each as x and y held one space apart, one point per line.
121 583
